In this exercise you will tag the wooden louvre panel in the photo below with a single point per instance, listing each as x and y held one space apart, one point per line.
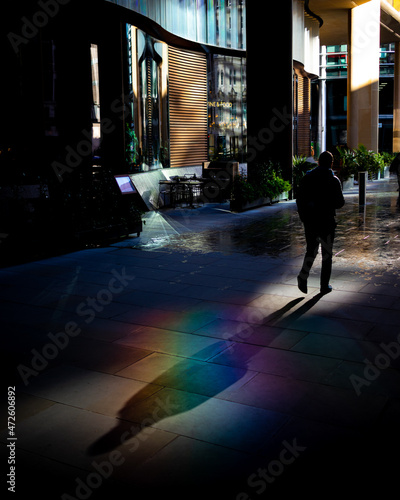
304 116
187 107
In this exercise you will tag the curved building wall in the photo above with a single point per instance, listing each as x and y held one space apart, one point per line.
161 131
306 40
215 22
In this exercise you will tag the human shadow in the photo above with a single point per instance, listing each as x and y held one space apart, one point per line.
188 383
275 318
277 315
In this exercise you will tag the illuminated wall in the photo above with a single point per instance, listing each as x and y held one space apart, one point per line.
306 42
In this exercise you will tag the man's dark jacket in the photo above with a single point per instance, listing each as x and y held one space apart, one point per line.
319 195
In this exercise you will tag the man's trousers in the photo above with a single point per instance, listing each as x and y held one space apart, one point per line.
314 238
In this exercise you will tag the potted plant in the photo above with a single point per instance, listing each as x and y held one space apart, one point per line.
387 159
300 167
266 186
131 150
347 166
367 161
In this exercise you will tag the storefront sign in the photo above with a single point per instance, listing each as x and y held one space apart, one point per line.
219 104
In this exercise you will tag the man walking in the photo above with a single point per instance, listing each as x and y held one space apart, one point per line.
320 194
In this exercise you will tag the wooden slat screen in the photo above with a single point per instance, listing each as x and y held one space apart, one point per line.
304 116
187 107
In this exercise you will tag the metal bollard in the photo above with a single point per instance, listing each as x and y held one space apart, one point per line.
362 187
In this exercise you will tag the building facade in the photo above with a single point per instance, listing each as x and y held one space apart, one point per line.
190 106
137 87
159 83
187 105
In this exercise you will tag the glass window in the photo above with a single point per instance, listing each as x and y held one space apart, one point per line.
96 127
215 22
147 126
227 125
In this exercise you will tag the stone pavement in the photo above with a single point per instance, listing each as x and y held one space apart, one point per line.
186 363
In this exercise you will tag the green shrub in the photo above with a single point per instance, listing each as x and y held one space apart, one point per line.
360 159
267 182
300 167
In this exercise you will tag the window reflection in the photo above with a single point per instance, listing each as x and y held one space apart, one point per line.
215 22
147 132
96 128
227 120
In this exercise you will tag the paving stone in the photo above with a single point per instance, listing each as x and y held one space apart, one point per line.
210 358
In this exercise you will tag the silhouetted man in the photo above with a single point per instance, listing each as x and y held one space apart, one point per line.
320 194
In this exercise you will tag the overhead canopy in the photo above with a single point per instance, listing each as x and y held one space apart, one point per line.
390 23
334 13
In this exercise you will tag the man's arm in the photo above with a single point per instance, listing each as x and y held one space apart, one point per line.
338 194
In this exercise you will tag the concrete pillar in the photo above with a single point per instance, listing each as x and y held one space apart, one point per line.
114 105
396 101
322 104
270 84
363 75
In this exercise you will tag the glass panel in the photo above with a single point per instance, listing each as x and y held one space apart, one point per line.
211 37
221 11
146 131
191 19
201 21
227 107
216 22
96 128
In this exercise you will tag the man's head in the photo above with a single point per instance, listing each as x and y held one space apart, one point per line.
325 159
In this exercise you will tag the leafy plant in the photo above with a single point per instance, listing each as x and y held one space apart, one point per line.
132 143
367 160
347 159
388 158
300 167
164 155
360 160
267 182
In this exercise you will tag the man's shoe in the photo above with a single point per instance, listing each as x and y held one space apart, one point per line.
302 284
326 289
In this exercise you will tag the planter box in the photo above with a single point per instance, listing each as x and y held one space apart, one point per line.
282 197
259 202
385 174
348 183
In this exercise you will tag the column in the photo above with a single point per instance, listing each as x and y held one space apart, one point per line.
113 91
396 101
269 84
363 75
322 103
